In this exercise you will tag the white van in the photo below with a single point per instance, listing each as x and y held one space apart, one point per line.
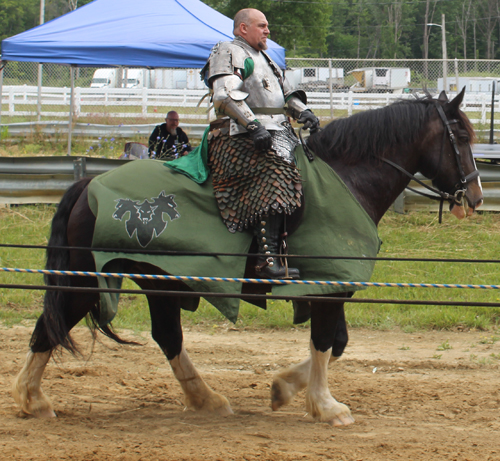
104 78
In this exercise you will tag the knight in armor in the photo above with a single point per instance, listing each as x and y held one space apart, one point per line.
251 144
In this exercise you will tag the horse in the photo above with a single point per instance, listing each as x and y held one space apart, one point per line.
376 153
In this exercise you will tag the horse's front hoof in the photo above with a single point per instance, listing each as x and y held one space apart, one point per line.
342 420
328 410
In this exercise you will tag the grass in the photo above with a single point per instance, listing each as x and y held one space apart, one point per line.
417 235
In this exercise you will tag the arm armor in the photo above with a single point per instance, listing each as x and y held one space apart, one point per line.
229 100
296 100
295 106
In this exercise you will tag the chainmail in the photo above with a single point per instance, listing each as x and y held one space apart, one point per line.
285 142
249 184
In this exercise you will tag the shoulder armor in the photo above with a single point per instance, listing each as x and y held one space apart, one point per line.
289 91
224 58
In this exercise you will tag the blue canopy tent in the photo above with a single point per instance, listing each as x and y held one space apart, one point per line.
147 33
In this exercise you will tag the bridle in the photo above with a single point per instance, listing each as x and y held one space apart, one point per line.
461 187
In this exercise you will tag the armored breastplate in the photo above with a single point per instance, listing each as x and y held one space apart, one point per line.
266 97
262 86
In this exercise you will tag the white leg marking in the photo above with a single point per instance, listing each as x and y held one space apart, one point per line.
26 388
288 382
198 395
319 402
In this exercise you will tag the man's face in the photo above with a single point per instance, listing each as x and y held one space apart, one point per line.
172 122
256 32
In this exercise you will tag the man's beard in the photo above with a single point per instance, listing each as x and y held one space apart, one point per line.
172 131
262 46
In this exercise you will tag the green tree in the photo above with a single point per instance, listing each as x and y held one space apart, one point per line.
298 26
16 16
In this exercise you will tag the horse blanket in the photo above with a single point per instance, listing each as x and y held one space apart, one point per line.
143 205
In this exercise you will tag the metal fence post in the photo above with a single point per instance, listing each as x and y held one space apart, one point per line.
330 87
80 168
71 106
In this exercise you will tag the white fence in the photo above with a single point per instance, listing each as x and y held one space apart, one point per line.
123 103
53 102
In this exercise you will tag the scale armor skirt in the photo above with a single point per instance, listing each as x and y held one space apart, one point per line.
249 184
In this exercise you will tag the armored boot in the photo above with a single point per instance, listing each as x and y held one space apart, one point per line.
269 241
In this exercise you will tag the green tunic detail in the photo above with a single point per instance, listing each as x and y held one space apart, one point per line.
249 67
333 224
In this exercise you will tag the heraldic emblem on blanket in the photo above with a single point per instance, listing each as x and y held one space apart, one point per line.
146 218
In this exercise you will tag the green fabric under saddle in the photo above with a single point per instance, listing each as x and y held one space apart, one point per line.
143 205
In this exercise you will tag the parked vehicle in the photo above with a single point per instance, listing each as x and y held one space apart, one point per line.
472 84
315 78
104 78
374 79
148 78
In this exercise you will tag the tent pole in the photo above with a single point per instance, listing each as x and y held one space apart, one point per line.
2 65
71 105
39 100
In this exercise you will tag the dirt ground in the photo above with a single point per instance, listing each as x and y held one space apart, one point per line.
415 396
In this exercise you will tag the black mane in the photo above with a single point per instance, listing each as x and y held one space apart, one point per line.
373 132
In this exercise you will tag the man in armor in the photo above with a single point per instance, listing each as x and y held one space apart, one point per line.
251 144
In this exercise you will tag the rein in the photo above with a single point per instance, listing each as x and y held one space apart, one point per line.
461 187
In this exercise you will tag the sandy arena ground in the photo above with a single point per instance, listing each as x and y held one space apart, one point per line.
410 400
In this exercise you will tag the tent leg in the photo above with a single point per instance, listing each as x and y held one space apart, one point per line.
2 65
39 100
71 106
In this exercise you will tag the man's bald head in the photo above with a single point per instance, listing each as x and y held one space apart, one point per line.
252 25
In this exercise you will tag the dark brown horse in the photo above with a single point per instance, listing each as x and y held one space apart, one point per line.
373 153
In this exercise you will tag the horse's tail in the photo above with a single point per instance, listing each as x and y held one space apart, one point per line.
58 259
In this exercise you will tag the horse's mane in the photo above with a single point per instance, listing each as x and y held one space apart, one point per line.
378 131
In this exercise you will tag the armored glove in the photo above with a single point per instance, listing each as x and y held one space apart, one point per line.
309 120
262 139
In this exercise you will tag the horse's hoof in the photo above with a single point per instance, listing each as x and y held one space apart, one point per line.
341 420
44 413
329 411
281 393
215 404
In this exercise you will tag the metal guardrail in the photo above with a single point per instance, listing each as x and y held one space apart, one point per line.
26 180
194 131
45 179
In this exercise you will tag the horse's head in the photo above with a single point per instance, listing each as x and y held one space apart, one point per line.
449 161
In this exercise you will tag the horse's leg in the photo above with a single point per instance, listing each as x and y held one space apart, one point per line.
62 310
167 332
26 389
319 402
295 378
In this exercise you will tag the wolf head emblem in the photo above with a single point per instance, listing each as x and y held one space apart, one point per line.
146 218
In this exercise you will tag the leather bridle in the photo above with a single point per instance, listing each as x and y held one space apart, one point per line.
461 188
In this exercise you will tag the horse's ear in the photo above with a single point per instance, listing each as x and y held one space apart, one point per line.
442 97
457 100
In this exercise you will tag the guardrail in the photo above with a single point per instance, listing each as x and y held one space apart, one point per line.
89 130
25 180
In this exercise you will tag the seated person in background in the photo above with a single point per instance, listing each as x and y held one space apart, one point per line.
168 141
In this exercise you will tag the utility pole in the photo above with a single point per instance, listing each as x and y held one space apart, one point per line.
445 53
40 66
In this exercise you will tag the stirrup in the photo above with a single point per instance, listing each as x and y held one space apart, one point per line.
266 270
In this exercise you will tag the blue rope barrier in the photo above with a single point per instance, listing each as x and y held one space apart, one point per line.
185 278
